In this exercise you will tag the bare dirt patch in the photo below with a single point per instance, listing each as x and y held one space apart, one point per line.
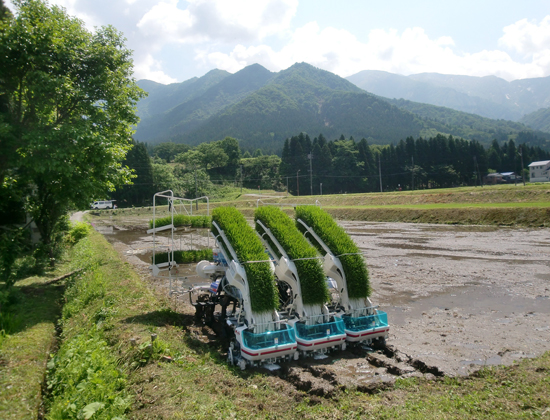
457 297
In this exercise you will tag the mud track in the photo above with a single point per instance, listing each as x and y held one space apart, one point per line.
458 298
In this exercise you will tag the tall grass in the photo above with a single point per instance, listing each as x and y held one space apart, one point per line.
340 244
312 279
247 246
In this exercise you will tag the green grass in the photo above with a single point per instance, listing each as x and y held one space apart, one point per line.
312 279
340 244
24 351
247 246
450 205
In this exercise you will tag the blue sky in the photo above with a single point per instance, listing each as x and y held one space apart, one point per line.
174 40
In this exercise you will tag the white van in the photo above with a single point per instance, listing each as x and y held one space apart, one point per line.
99 205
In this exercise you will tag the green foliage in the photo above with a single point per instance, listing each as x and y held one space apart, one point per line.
149 351
141 190
339 242
312 279
183 220
84 377
168 151
85 381
262 171
164 179
78 231
247 246
185 257
13 243
70 110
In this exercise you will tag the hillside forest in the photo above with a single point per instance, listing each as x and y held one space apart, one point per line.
342 165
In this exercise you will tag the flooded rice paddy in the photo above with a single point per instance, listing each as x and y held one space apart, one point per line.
457 297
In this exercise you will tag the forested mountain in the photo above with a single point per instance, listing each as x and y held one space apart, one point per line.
538 120
189 114
164 97
303 98
487 96
471 126
262 109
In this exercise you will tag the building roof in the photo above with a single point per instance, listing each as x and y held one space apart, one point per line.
540 163
507 173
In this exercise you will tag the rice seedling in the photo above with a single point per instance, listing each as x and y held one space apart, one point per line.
247 246
185 257
312 278
182 220
341 245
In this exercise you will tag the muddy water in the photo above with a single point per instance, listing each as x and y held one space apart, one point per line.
457 297
460 297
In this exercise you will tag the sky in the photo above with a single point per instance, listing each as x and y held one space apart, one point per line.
175 40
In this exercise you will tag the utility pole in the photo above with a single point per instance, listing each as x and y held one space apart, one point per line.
297 184
241 179
321 188
287 186
478 173
521 154
515 168
380 172
310 157
475 169
195 172
412 173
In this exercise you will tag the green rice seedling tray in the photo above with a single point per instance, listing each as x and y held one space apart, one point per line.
341 245
312 279
248 247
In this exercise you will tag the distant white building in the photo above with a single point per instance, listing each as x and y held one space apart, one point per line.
540 171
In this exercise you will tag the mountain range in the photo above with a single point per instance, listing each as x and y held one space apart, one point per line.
262 108
488 96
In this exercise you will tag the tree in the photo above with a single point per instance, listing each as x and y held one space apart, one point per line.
165 179
205 155
168 151
142 189
231 148
70 110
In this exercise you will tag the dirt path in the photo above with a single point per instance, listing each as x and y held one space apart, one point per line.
457 298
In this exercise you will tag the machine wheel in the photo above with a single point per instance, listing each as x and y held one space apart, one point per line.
242 364
344 346
230 357
296 355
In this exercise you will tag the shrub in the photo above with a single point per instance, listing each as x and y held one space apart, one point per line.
183 220
185 257
248 247
339 242
78 231
312 279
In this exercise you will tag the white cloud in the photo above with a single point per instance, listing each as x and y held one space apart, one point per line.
218 20
527 37
409 52
231 34
149 68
